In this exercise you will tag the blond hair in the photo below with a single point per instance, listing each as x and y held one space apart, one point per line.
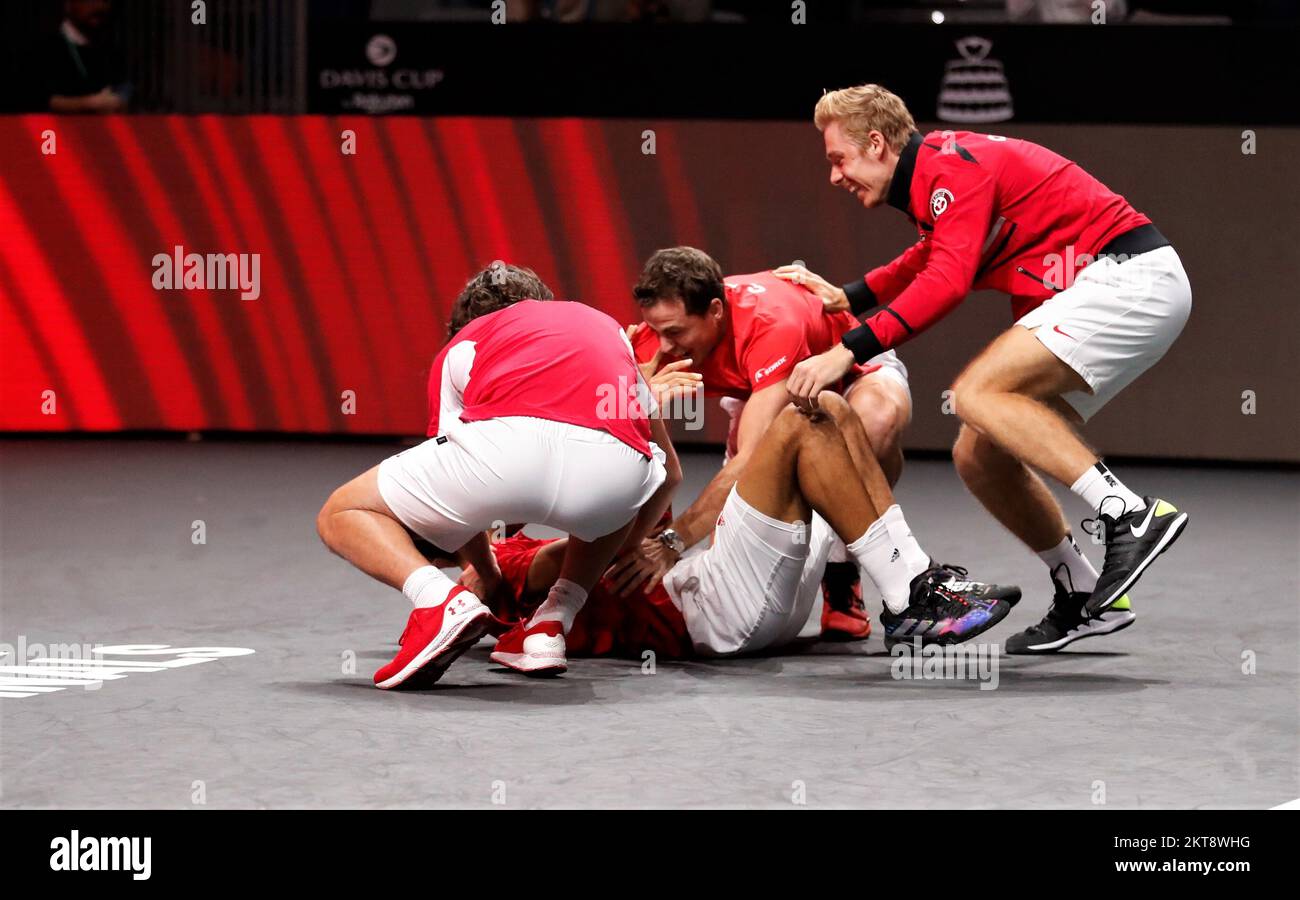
863 109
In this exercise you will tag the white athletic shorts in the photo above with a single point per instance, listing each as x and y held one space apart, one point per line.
890 367
518 469
1114 322
755 586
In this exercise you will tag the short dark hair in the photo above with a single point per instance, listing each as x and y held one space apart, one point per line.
495 288
680 272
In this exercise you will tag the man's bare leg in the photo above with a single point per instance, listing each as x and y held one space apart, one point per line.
1011 395
357 524
879 410
1016 496
825 478
862 449
1006 485
1012 492
537 647
1005 394
804 464
585 561
883 408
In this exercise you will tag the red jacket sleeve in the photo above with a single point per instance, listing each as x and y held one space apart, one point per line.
961 199
891 279
883 283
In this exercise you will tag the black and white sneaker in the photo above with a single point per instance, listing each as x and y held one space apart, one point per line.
1066 623
945 608
1133 541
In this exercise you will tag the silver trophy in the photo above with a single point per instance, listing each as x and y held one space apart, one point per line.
974 88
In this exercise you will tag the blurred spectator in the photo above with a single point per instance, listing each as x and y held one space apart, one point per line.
83 72
1202 12
1065 11
544 10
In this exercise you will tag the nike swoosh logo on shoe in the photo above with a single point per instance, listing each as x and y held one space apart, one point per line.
1138 532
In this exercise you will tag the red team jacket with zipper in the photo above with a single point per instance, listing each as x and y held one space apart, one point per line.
991 212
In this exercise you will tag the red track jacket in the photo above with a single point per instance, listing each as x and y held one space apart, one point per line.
992 213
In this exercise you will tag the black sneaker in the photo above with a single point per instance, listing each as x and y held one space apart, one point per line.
945 608
1133 541
1066 623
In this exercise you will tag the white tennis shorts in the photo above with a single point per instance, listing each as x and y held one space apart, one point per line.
518 469
1116 321
755 586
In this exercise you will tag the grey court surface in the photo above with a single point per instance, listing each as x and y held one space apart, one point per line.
98 549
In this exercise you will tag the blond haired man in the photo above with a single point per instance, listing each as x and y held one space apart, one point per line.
1098 297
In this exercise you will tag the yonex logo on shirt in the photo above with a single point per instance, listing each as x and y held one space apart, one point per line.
768 370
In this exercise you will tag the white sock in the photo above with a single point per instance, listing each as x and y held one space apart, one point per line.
839 552
901 534
1069 567
1100 489
883 561
426 587
561 605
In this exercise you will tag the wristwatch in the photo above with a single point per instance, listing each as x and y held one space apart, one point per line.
672 541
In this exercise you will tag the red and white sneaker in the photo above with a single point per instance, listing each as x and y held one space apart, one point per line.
538 650
434 637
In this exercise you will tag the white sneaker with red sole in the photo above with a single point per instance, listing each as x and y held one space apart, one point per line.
536 650
434 637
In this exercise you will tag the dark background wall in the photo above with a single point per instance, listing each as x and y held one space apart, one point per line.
1232 217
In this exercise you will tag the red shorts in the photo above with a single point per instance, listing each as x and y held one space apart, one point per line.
608 625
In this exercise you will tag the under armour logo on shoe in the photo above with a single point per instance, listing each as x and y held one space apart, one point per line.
456 604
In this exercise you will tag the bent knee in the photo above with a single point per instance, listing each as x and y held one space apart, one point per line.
883 413
788 420
972 453
833 404
336 503
323 521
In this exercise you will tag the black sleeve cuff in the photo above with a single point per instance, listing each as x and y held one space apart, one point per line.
863 342
861 296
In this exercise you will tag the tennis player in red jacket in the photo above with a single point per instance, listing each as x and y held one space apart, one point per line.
1098 297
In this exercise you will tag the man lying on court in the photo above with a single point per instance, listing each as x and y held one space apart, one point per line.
810 479
744 334
518 433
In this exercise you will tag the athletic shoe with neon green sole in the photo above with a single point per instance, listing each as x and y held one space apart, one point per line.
1133 541
1066 623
